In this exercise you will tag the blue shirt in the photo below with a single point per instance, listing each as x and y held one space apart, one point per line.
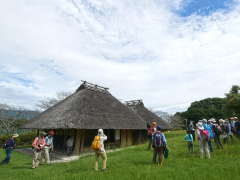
50 138
188 138
11 143
164 139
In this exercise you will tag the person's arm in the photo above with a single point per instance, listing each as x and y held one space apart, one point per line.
153 137
52 144
34 144
165 141
43 143
199 134
104 137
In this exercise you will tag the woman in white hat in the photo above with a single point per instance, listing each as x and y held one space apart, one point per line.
9 147
202 142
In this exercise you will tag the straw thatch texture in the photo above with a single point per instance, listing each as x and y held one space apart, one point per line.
87 109
147 115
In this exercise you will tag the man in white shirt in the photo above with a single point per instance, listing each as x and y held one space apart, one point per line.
69 145
101 151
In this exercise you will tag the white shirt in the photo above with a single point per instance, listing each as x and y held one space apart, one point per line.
102 139
70 142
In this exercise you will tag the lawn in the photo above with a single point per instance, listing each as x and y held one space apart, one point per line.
135 163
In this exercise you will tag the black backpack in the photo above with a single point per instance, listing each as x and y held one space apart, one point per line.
218 129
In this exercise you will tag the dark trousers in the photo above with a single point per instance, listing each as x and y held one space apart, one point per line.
217 141
157 151
210 145
190 147
9 154
193 134
149 145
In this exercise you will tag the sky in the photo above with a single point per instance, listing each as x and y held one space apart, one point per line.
167 53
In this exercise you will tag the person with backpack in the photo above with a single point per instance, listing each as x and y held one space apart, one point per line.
158 140
229 130
48 148
189 138
150 132
37 147
233 126
10 145
203 137
209 129
217 131
237 127
69 145
98 146
191 128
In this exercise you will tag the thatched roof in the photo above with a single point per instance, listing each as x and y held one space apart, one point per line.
148 116
90 107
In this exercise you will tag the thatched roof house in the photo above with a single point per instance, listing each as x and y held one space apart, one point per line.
90 108
148 116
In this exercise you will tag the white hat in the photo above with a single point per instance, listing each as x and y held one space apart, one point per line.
199 126
235 117
213 120
100 132
221 120
15 136
210 120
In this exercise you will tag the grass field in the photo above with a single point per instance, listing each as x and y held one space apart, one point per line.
135 163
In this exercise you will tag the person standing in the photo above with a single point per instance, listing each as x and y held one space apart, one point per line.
189 138
229 130
101 151
37 145
209 129
191 128
151 130
210 122
224 130
233 126
48 148
237 126
217 132
10 146
202 142
158 140
69 145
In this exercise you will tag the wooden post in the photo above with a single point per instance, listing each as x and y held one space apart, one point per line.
77 141
123 138
129 137
83 140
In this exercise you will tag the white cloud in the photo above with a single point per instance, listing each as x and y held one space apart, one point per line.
139 49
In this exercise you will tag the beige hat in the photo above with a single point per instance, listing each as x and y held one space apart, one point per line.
15 136
199 126
221 120
213 120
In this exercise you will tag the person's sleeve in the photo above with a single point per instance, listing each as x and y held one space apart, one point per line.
45 140
34 144
153 137
104 138
164 139
52 143
10 143
199 134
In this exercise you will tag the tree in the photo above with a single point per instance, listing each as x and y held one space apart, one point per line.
12 117
233 100
51 101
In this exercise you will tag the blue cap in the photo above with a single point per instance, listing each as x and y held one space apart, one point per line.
159 127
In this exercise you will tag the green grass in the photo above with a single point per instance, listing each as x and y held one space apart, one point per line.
135 163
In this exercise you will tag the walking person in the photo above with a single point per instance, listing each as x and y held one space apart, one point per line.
48 148
229 130
101 151
189 139
191 128
37 145
69 145
217 131
151 130
202 142
158 140
9 147
209 129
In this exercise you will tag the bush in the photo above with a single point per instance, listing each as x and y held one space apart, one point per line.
23 139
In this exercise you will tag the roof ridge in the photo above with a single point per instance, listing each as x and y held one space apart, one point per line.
133 102
93 87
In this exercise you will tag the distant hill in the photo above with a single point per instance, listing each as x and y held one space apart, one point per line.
25 114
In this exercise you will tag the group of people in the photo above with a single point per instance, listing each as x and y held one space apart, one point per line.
41 143
208 130
158 141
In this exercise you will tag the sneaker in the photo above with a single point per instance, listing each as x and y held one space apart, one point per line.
104 169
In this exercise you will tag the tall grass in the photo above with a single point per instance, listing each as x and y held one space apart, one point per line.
135 163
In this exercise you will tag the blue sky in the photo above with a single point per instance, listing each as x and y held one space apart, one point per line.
168 53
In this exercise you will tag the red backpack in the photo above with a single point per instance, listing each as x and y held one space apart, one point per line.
150 132
5 144
205 134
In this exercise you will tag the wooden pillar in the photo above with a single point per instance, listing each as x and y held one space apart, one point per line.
83 140
77 141
129 137
123 138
